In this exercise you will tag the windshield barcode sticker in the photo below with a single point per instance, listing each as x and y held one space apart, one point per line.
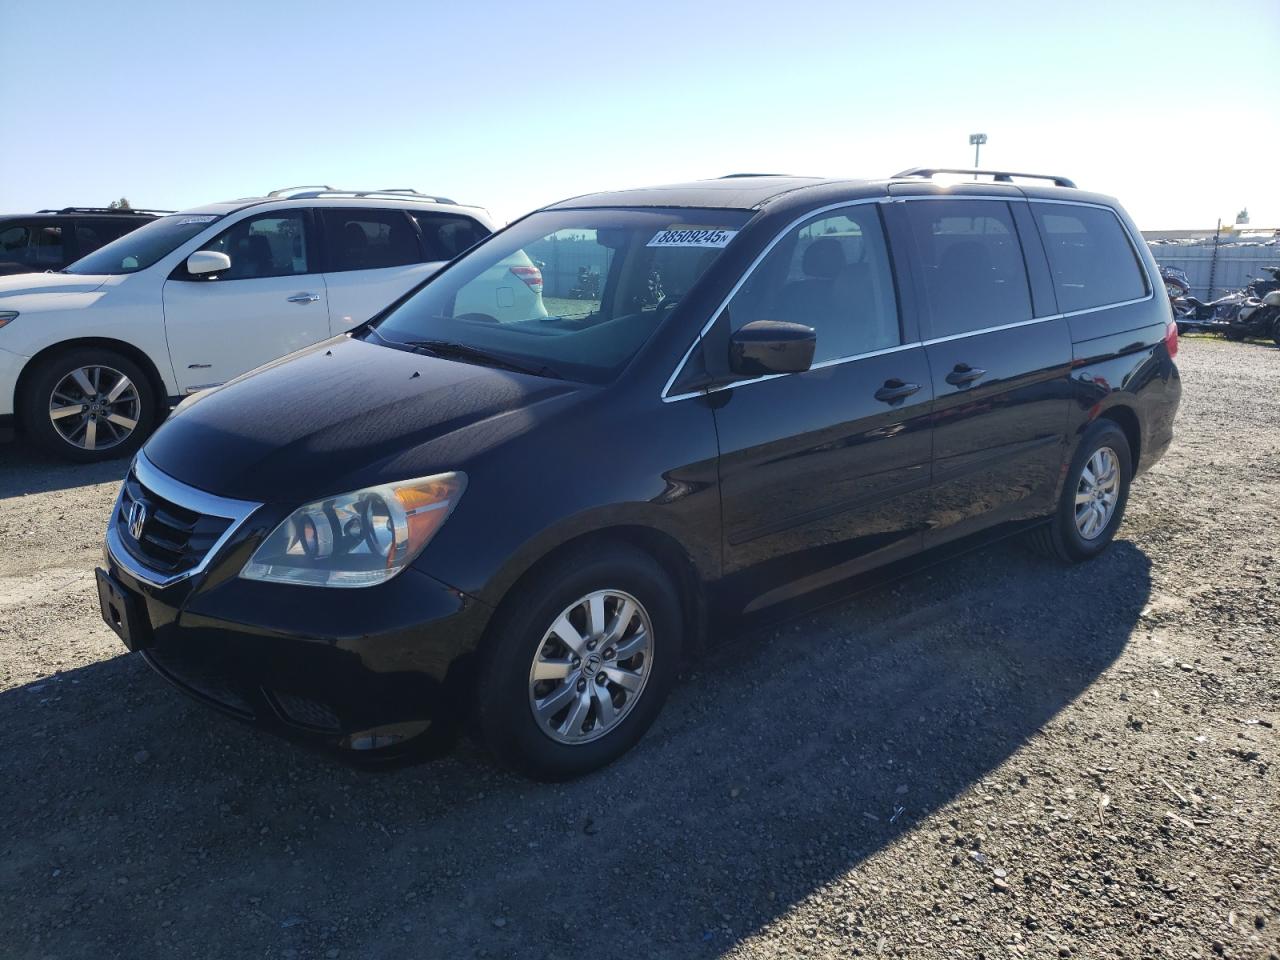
692 237
196 220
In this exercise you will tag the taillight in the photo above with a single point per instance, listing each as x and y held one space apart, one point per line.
1171 338
532 276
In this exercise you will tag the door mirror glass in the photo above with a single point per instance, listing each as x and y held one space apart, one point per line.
207 261
772 346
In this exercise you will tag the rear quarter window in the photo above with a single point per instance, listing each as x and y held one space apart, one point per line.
1092 258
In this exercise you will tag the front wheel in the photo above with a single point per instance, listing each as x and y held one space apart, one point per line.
1093 497
1275 330
89 404
580 661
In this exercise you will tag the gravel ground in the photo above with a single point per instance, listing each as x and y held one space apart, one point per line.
996 757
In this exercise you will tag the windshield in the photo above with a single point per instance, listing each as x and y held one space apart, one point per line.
141 248
574 293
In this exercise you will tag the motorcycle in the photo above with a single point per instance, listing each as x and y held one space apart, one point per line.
1176 282
1253 311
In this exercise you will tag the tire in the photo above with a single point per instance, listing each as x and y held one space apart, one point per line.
99 431
1062 537
526 628
1275 330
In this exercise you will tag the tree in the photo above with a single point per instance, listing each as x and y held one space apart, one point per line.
121 204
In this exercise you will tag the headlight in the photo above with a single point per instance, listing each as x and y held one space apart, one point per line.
357 539
6 316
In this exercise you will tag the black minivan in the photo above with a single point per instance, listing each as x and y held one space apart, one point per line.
728 396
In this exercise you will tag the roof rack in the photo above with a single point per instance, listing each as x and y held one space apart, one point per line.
153 213
306 186
1000 176
735 176
395 193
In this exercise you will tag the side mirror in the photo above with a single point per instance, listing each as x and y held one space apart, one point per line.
207 261
772 346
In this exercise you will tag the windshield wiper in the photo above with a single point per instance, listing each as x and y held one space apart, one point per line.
452 350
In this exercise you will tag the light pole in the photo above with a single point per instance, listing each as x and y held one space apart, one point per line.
976 140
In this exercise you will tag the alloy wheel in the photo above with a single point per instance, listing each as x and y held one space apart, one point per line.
95 407
1097 493
591 667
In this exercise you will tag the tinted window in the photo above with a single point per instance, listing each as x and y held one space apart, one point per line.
270 245
831 273
1092 260
15 244
139 249
92 234
46 246
971 262
445 236
369 239
577 292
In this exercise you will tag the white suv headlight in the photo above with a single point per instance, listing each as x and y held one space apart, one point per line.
358 539
7 316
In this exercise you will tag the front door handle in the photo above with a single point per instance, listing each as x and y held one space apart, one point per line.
895 391
963 375
304 298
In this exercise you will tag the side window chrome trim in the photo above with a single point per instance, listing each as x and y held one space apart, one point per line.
995 329
905 346
1034 320
834 362
746 275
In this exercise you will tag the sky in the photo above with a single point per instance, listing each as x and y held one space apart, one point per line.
1169 106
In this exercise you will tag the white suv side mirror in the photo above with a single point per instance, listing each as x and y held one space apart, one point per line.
207 261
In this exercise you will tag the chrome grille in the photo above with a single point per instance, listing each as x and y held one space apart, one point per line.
162 531
173 539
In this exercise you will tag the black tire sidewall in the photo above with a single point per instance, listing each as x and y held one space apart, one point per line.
1103 433
39 388
506 718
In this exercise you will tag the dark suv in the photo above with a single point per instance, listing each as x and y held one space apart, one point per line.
52 239
778 385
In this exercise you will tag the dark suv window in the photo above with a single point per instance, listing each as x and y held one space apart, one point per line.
974 274
830 273
445 235
15 246
92 234
369 239
46 246
1093 262
31 245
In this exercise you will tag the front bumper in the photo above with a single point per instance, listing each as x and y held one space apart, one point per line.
376 670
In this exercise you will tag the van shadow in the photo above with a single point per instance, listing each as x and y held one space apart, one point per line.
782 761
26 469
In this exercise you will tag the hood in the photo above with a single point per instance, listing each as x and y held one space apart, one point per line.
342 415
48 284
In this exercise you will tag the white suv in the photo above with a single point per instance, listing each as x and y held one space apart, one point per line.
91 357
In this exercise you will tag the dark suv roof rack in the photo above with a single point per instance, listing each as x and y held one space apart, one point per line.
1000 176
313 192
132 210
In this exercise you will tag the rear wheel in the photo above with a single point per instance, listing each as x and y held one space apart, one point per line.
1275 330
1093 497
580 662
89 404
